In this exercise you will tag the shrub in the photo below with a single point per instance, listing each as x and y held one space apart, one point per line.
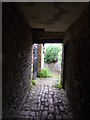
44 73
51 54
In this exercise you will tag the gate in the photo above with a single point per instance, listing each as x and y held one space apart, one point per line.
35 55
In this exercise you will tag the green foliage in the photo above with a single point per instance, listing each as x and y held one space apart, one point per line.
34 82
44 73
58 85
51 54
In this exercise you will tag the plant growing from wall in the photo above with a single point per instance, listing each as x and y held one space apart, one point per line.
34 82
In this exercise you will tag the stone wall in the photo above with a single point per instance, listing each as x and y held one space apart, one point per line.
77 63
17 58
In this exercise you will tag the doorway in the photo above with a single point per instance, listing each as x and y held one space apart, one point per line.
48 60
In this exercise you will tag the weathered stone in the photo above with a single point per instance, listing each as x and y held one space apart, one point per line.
17 57
57 110
44 115
50 117
42 107
34 107
61 108
46 108
42 99
36 118
58 117
51 109
50 101
41 110
32 114
46 104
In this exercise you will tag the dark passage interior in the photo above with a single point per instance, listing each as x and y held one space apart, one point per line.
24 24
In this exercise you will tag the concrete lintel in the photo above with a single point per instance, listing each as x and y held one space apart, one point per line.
39 41
38 29
47 36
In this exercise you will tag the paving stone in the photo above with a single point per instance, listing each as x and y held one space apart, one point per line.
46 102
39 97
58 117
50 96
46 96
37 113
50 117
36 101
34 107
50 101
51 109
55 96
51 93
60 101
57 110
31 118
32 114
56 101
61 108
42 108
26 109
44 115
36 118
42 99
46 108
45 91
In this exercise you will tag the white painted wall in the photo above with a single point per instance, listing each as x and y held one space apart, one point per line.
42 58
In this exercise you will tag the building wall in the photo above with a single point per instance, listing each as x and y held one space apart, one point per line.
17 58
77 64
40 57
0 60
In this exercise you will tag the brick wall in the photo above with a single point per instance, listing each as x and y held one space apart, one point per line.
77 64
17 58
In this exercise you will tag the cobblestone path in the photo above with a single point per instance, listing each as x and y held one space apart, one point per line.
45 103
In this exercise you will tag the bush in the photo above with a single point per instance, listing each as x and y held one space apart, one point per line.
44 73
51 54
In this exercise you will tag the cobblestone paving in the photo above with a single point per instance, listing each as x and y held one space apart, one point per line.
45 103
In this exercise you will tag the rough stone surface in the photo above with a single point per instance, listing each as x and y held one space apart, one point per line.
39 110
17 63
77 63
53 66
17 58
